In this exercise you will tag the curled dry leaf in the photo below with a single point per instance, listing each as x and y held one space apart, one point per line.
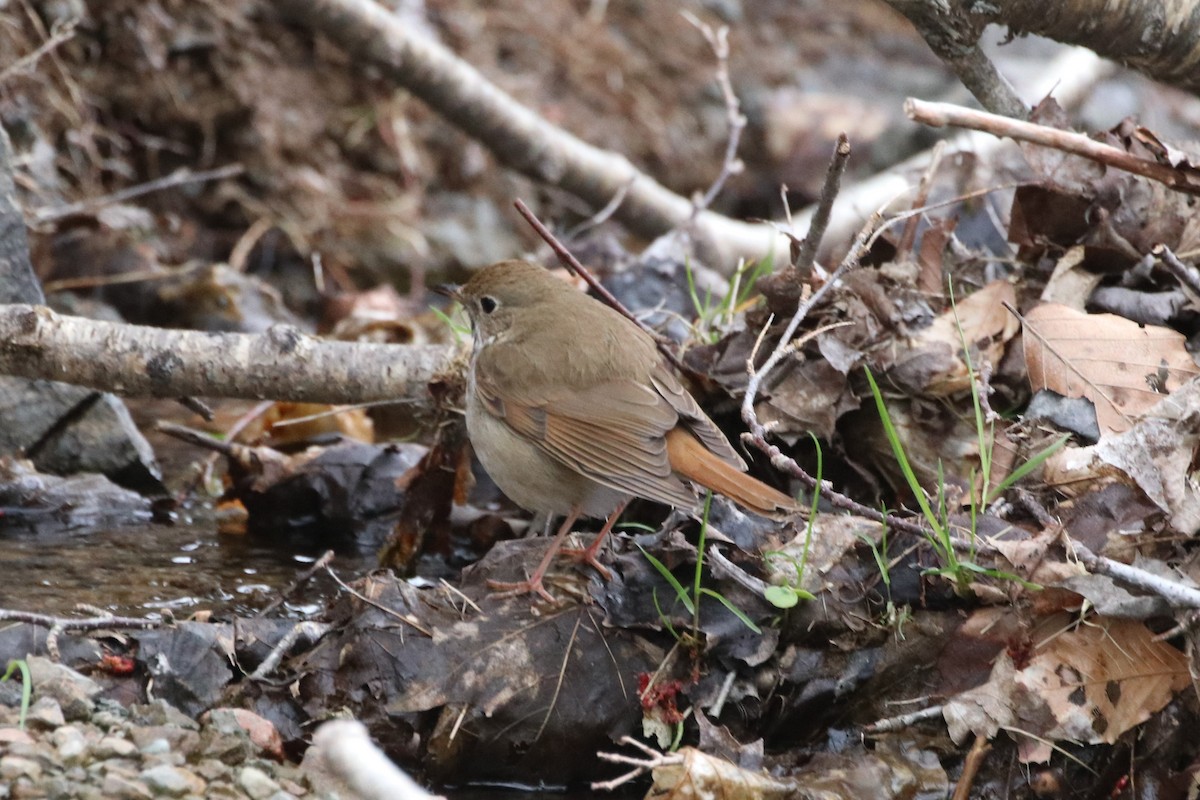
1122 367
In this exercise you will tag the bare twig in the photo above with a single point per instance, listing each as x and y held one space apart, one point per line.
899 723
824 207
60 33
179 177
909 236
731 165
974 760
942 114
281 363
953 35
80 624
602 216
1156 38
1188 276
1173 592
519 137
309 630
652 760
407 619
572 264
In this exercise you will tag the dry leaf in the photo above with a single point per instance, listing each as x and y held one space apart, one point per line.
985 324
1088 684
1122 367
1157 454
692 775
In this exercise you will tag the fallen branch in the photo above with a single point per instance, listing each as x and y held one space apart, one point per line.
953 35
516 135
281 364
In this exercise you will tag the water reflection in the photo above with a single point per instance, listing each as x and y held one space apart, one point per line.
187 568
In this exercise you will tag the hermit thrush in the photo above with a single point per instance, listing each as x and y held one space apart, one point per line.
573 411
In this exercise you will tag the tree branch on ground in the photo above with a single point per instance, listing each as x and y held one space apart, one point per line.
281 364
516 135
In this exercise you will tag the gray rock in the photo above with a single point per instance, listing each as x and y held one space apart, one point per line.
75 693
14 767
123 788
45 714
115 747
178 739
172 781
70 743
257 783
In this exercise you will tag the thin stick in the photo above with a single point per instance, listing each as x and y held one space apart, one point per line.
179 177
941 114
829 192
80 624
407 619
572 263
731 165
59 34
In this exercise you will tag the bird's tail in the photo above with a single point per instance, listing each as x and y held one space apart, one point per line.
695 462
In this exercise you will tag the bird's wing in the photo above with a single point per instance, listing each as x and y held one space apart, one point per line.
612 432
693 417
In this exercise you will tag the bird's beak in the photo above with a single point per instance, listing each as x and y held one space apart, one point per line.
451 290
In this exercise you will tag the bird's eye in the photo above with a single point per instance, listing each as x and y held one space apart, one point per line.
487 304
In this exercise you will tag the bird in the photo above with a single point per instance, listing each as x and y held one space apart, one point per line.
573 411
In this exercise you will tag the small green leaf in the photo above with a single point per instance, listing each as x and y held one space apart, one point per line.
781 596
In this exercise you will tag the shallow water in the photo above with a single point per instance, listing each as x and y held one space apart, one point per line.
187 568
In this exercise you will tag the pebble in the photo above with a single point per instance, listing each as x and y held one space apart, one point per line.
70 744
172 781
115 747
45 715
85 747
257 783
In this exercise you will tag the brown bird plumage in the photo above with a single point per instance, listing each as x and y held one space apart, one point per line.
572 410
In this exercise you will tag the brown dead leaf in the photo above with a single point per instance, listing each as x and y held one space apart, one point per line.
1122 367
1088 684
986 325
1102 679
692 774
1157 454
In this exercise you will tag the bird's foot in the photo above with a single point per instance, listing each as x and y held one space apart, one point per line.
589 556
532 586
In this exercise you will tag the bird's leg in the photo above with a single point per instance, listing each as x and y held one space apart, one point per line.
588 556
534 585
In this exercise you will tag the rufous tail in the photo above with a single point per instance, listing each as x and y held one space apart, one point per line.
693 461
